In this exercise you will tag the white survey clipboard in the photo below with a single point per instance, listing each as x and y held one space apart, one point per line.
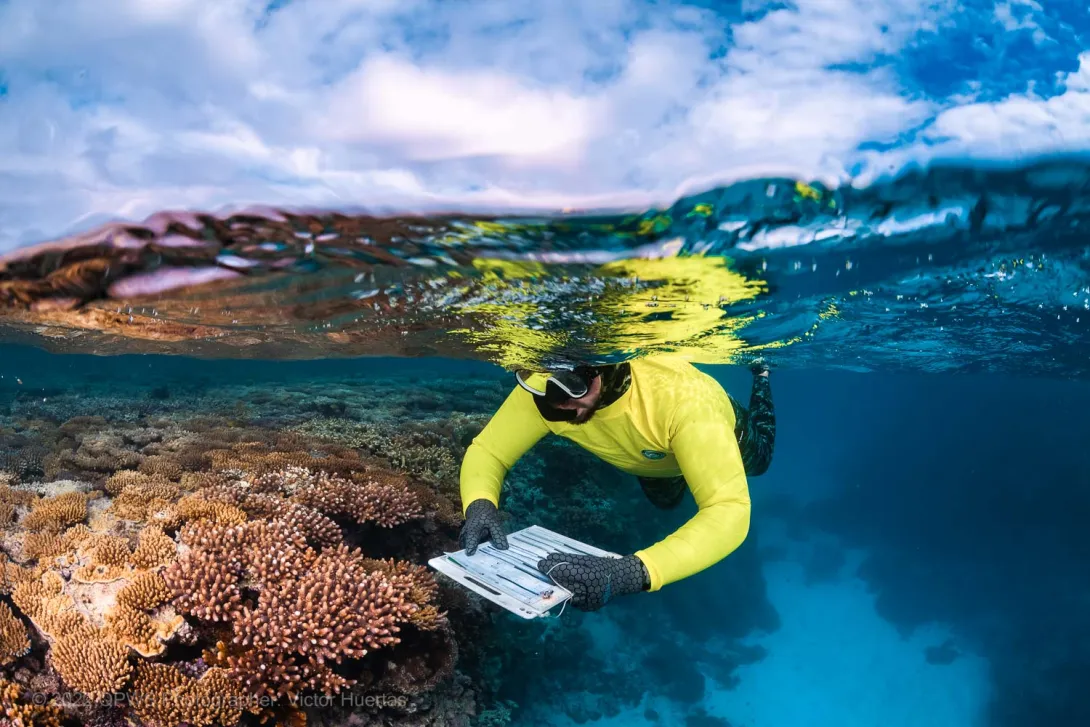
510 578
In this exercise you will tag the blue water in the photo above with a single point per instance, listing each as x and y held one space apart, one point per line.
917 553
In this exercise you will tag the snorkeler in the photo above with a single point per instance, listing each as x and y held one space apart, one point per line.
659 418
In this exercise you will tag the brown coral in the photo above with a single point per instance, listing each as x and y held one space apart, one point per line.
56 513
276 550
37 546
380 498
118 481
163 695
91 663
338 609
319 530
196 507
204 586
17 712
14 641
12 574
162 465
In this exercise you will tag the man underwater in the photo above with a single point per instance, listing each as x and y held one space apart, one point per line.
658 418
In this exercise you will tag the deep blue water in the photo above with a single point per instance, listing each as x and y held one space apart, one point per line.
959 501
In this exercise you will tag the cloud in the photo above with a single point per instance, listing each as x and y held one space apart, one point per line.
121 110
435 114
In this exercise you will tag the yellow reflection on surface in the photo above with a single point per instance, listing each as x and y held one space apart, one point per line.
677 304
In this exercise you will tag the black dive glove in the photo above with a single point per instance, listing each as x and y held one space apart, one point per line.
482 523
594 580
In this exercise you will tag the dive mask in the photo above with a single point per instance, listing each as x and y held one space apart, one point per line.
557 385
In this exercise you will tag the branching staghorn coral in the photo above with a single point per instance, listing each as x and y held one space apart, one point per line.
14 641
374 496
56 513
91 662
338 609
153 548
163 695
12 574
17 711
204 586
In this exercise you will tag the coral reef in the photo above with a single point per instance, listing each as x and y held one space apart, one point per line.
151 541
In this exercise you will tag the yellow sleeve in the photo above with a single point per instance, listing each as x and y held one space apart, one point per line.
513 430
708 454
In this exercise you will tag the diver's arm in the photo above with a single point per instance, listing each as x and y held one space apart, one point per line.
708 454
513 430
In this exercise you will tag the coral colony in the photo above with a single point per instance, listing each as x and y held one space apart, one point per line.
200 574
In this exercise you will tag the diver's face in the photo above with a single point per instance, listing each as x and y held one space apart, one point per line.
585 405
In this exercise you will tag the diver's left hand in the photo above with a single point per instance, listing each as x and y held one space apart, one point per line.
594 580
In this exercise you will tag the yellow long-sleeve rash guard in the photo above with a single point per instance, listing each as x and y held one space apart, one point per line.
673 420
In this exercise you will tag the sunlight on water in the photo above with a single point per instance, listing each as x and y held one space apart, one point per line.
955 269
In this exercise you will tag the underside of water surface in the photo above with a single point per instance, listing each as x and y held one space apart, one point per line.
952 268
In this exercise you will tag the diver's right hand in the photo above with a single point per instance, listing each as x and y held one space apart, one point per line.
482 523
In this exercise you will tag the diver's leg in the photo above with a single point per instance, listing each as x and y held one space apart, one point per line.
758 438
664 492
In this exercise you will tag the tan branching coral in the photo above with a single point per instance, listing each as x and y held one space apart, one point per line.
139 501
122 479
91 663
37 546
154 548
12 574
56 513
14 641
162 465
108 556
144 592
15 496
133 628
44 602
193 481
163 695
16 711
196 507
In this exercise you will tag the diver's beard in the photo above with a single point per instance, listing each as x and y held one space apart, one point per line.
585 418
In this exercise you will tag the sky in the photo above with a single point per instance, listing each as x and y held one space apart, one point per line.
118 109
